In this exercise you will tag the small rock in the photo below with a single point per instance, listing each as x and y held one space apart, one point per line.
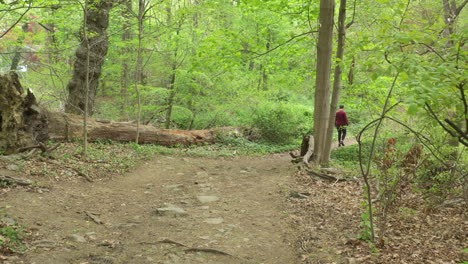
8 221
91 235
127 225
13 167
77 238
207 198
248 169
232 226
170 210
44 244
202 174
42 190
174 187
214 221
299 195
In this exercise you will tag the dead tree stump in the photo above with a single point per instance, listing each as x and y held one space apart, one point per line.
22 122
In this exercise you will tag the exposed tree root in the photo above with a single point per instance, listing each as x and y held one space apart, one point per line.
17 181
192 249
325 176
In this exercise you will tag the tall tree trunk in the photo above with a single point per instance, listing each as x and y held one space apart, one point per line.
322 89
86 84
172 93
125 79
351 72
336 79
451 13
139 64
97 21
171 85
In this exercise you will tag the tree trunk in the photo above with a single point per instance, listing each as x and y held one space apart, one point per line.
17 57
25 124
336 80
68 126
22 122
97 21
125 79
172 81
322 89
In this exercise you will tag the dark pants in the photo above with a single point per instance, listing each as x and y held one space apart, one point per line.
341 135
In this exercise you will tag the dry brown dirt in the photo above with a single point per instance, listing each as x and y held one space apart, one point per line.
234 212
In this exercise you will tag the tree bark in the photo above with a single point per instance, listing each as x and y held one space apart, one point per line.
68 126
97 21
22 122
126 37
322 89
336 80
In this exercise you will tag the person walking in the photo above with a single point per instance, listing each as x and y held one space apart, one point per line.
341 123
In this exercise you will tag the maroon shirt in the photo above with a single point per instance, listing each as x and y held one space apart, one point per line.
341 119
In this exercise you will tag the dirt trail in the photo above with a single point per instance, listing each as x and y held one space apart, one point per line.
211 210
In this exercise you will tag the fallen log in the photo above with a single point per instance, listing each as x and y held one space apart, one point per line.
23 123
67 126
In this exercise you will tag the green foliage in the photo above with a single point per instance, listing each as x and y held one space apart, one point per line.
282 122
346 155
366 228
12 235
182 116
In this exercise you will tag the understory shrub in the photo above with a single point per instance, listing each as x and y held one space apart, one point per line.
281 122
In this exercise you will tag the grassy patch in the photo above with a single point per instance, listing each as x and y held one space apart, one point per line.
12 235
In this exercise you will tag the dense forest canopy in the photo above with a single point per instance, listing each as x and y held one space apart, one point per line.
243 63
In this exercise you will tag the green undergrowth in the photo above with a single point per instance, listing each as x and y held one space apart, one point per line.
12 235
126 155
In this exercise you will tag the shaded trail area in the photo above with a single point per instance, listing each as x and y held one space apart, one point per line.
170 210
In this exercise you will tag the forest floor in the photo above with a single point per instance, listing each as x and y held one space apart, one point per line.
184 209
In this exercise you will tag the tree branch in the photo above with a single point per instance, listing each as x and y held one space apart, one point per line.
282 44
438 120
17 21
354 14
460 86
460 8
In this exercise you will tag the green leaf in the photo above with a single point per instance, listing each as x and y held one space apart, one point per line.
413 109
